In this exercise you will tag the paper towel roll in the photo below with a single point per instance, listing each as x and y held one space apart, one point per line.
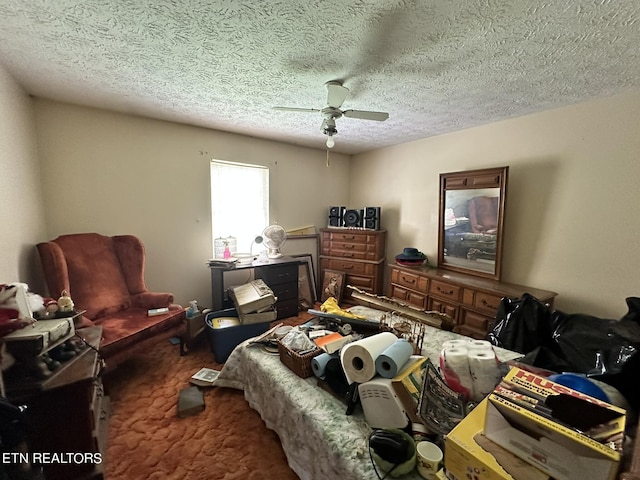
393 358
359 358
319 363
454 364
485 372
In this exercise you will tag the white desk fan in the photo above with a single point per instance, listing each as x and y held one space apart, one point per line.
274 237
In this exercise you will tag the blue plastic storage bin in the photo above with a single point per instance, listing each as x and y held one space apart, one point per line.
225 338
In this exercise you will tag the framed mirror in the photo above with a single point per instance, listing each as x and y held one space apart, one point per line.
471 221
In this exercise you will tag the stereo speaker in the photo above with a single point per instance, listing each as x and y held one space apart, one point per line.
371 219
352 218
335 216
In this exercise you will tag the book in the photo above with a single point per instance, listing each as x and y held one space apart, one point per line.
190 401
205 377
333 342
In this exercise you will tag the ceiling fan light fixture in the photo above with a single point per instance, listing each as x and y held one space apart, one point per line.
330 142
330 130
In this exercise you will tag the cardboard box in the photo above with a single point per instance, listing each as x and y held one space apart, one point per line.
226 332
407 386
469 455
562 432
252 297
259 317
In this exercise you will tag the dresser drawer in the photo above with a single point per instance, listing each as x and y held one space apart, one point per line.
412 298
487 302
285 291
349 267
410 280
475 324
354 251
445 290
287 308
363 283
278 274
437 305
349 237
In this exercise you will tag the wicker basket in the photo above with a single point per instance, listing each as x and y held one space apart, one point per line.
298 364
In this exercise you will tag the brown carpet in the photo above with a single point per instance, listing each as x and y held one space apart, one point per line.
147 440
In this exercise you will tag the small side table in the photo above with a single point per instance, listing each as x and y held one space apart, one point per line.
195 327
69 411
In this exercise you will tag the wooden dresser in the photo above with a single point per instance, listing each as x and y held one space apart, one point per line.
470 301
359 253
282 279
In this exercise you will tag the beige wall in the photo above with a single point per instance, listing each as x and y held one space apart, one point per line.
113 173
21 212
572 214
573 201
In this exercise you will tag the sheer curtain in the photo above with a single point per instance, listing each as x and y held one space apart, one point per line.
239 202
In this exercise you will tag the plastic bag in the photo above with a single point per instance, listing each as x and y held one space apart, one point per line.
522 324
602 349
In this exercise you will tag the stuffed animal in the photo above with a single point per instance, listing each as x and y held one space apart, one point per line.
65 304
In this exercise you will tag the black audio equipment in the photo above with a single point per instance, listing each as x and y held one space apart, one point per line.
352 218
371 219
335 216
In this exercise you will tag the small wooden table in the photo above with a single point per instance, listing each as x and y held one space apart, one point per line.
69 413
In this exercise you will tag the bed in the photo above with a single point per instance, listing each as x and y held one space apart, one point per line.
318 438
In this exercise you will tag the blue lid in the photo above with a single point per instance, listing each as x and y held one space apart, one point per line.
581 384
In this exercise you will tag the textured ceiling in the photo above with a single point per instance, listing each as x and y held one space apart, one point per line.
435 66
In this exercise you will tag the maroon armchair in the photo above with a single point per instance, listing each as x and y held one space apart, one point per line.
105 276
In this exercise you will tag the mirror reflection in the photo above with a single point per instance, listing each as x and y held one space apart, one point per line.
471 221
471 227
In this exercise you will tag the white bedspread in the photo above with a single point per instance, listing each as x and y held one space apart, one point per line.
318 438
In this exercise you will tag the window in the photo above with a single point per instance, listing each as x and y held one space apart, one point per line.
239 202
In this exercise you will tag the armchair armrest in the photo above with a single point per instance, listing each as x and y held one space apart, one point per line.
149 300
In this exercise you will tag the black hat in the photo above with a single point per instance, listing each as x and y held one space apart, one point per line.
411 256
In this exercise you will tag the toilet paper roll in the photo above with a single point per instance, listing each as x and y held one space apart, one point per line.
455 343
319 364
454 364
479 345
485 372
359 358
393 358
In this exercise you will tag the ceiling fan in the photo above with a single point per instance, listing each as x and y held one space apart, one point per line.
336 95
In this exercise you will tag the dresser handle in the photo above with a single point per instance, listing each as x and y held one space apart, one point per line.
352 237
447 292
349 245
405 279
347 267
487 304
350 255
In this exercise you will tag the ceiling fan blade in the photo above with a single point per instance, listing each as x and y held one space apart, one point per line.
336 94
364 115
294 109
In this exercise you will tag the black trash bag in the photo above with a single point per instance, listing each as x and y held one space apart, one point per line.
522 324
602 349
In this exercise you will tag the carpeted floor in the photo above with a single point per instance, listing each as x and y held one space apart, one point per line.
147 440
